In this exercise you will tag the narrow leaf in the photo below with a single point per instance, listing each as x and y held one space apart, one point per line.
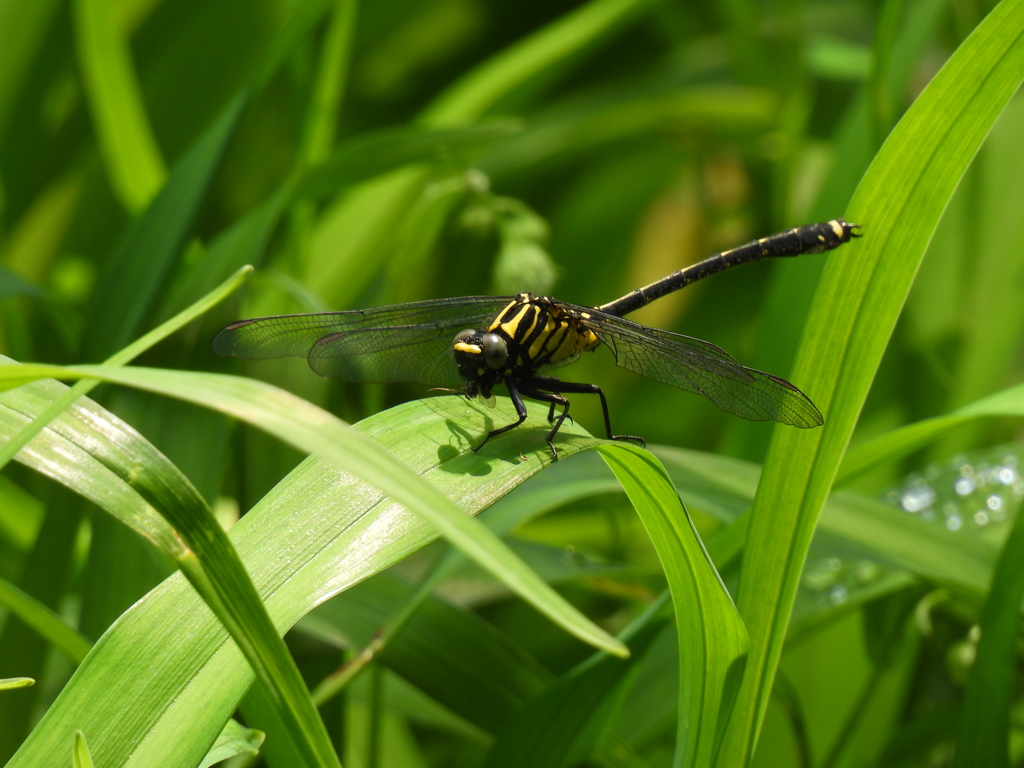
899 203
130 152
712 638
49 625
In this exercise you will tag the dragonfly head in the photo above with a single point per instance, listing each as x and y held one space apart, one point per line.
481 358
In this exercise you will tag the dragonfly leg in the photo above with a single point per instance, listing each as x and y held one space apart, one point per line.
555 399
556 385
517 401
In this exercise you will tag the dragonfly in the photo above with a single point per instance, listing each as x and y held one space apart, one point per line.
473 344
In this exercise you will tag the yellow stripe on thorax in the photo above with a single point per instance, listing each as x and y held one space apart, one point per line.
513 326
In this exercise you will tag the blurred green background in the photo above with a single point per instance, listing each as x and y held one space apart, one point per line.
368 153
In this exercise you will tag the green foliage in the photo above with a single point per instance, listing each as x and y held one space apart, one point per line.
843 596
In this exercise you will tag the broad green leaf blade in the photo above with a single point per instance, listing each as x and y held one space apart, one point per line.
130 152
49 625
133 481
126 355
316 431
712 638
899 203
984 734
317 533
128 288
905 440
235 739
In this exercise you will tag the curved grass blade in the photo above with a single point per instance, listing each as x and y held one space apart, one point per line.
712 638
48 624
316 431
317 533
903 441
984 735
899 203
475 93
129 149
128 287
235 739
126 355
100 457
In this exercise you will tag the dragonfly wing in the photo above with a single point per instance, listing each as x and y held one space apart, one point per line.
700 367
416 354
402 342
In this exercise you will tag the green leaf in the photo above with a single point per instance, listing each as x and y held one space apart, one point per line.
49 625
984 734
80 757
126 355
712 638
311 429
318 532
235 739
127 476
130 284
9 683
901 442
130 152
899 203
475 93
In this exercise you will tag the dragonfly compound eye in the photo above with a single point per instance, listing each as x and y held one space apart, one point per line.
495 350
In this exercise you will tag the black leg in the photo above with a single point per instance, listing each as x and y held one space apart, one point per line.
555 385
551 414
517 401
555 399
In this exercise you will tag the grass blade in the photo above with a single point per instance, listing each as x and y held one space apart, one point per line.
131 282
317 533
903 441
984 736
130 152
316 431
48 624
899 203
712 638
126 355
